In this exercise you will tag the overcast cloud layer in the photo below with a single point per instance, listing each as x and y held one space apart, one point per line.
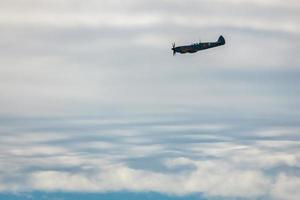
92 99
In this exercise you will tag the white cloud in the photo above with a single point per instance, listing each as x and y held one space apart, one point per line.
226 169
279 131
257 158
286 188
249 156
213 179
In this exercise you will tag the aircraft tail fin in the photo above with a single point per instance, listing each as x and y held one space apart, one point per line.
221 40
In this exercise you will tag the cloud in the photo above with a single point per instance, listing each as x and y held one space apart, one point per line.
95 13
93 100
94 160
84 62
208 178
286 187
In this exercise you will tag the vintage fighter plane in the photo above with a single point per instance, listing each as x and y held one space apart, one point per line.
193 48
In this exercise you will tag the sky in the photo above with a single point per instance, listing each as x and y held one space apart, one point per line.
94 106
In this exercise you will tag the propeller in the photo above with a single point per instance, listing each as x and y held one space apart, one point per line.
173 48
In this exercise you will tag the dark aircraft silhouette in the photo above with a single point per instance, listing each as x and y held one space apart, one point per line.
193 48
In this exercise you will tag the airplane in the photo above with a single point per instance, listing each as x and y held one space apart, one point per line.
193 48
